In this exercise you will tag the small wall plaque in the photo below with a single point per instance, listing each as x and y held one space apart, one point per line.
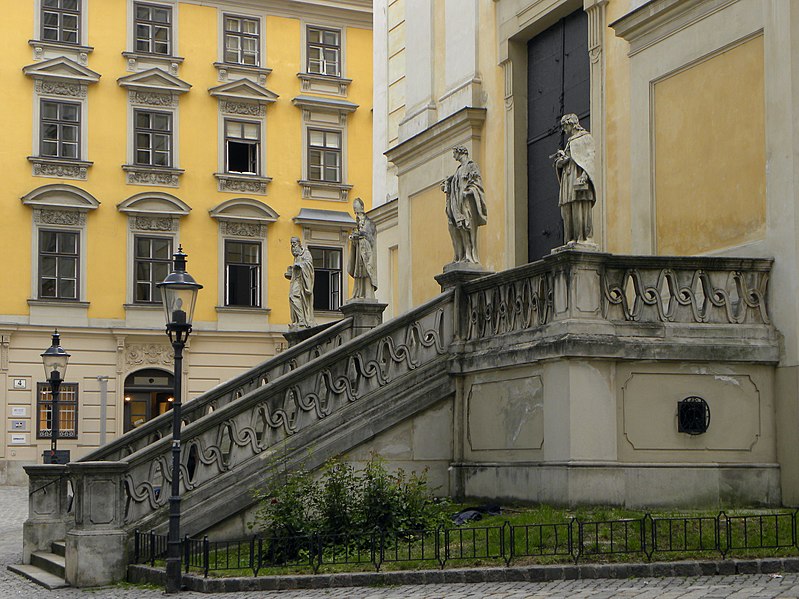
19 411
19 439
18 425
20 384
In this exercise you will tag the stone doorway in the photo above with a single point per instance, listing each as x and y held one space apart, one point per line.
148 393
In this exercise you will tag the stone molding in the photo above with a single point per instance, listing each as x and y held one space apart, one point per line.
242 108
74 218
149 175
148 354
240 229
230 71
61 169
42 47
237 183
153 223
136 61
65 89
324 190
337 86
150 98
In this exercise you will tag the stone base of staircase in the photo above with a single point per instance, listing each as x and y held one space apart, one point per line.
47 568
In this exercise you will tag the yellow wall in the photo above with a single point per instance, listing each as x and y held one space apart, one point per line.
197 27
431 247
710 164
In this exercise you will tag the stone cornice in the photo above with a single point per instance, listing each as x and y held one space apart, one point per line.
385 215
351 13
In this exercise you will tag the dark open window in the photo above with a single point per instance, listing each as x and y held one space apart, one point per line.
324 51
59 129
67 411
327 278
58 264
61 21
241 40
242 147
243 273
152 259
153 28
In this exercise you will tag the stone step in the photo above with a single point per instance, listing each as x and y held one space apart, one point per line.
39 576
59 548
50 562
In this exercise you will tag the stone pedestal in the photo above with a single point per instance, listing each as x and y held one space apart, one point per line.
457 273
47 508
96 548
366 314
581 246
298 335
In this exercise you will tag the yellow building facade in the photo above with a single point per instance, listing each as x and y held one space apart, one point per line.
133 128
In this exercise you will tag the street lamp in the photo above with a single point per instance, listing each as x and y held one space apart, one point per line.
55 361
179 294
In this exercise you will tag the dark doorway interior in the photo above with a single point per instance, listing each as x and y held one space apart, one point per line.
558 79
148 393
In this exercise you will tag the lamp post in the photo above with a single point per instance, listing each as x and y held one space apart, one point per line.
179 294
55 361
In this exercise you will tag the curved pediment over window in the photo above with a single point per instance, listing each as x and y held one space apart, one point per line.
59 196
154 203
244 209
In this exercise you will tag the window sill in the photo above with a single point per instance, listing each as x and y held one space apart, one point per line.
139 61
242 183
144 307
46 49
242 310
229 71
152 175
324 190
61 303
324 84
59 168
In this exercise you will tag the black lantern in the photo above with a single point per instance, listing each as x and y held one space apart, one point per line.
179 294
55 361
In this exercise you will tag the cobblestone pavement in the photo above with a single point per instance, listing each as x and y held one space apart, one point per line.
13 511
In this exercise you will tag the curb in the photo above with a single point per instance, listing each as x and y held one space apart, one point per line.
147 574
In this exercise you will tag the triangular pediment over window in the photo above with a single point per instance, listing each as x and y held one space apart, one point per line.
61 197
61 69
243 90
154 203
154 80
244 210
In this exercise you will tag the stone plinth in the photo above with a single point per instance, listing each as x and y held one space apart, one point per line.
298 335
96 549
366 314
47 508
457 273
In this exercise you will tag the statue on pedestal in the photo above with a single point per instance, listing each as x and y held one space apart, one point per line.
362 258
301 275
575 168
465 206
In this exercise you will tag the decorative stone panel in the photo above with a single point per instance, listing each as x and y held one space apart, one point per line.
145 354
60 169
44 216
67 89
239 229
145 175
242 183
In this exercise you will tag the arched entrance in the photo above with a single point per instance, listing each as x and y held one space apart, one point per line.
148 393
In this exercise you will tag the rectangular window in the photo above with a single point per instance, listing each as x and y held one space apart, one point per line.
58 265
151 265
324 155
241 40
67 411
153 28
59 129
242 147
327 278
61 21
243 273
324 51
153 137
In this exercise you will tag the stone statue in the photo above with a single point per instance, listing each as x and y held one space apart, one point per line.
465 206
362 259
575 167
301 275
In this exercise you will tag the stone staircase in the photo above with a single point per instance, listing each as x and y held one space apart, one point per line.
46 568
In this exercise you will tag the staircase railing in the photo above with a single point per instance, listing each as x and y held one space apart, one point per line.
270 415
226 392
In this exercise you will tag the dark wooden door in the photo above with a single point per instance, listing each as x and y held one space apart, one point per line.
558 80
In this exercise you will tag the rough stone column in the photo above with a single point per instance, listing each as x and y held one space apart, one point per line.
96 548
366 314
47 508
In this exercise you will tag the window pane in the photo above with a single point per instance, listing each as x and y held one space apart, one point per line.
251 253
161 34
143 271
250 26
231 56
160 159
249 44
48 287
142 157
70 133
50 34
333 140
317 138
161 48
142 12
232 129
71 36
66 267
50 19
314 35
160 142
249 59
48 266
142 31
161 15
66 289
143 120
142 247
142 141
331 38
143 292
49 110
315 158
50 132
50 3
162 248
231 24
69 112
69 21
160 271
250 130
47 241
161 122
69 150
232 43
68 243
69 4
49 148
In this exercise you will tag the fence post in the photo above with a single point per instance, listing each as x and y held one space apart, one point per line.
509 555
575 550
252 554
152 548
260 553
437 547
727 535
186 552
136 547
206 556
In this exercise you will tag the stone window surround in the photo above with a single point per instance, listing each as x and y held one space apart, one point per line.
140 61
40 45
235 70
326 84
151 214
243 219
60 206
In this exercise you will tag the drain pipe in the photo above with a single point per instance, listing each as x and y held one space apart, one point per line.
103 405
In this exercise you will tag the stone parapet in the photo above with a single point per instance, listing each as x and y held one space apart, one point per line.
48 505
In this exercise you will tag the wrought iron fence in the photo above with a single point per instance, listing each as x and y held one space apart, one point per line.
576 540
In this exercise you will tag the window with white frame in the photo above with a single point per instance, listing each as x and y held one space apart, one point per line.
242 147
242 273
152 261
59 261
242 40
67 411
60 21
59 129
152 28
327 278
152 138
324 155
323 51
